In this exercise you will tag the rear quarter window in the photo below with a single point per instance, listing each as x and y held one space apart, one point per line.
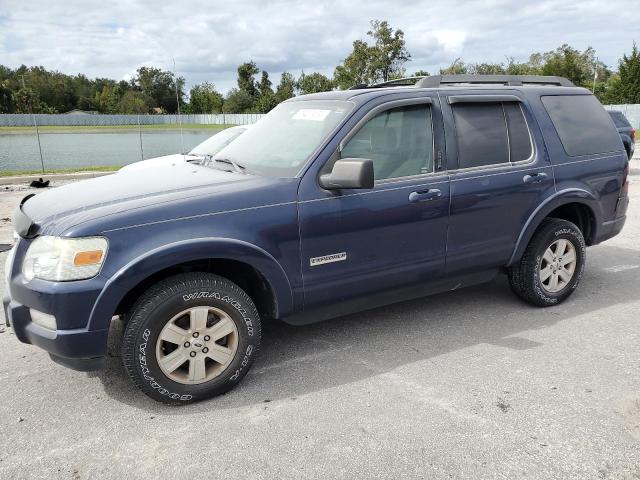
584 127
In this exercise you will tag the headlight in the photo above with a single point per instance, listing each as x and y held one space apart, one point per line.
62 259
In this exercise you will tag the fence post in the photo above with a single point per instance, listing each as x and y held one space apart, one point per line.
35 124
140 136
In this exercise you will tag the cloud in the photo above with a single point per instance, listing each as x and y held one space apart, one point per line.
207 40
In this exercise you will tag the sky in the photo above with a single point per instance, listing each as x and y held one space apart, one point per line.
207 40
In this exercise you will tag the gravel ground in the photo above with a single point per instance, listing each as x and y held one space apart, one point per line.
469 384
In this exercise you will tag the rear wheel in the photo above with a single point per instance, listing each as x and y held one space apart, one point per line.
191 337
552 265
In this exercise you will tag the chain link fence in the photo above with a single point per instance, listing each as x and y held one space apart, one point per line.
74 142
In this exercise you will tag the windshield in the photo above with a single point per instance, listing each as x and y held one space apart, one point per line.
214 144
281 142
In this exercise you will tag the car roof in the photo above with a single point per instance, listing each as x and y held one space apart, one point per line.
529 84
364 94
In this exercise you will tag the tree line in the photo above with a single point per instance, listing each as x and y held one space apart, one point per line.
382 56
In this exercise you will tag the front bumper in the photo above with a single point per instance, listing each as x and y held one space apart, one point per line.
80 349
76 343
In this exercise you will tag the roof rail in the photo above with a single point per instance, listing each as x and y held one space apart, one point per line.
511 80
398 82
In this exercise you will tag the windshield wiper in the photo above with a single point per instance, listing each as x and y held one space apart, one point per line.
236 166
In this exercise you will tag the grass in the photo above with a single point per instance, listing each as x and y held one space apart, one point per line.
14 173
84 128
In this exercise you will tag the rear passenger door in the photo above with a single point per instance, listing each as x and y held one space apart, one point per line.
499 173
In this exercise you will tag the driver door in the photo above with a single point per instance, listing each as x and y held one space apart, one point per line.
357 243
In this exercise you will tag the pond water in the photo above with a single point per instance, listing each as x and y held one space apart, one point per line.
19 151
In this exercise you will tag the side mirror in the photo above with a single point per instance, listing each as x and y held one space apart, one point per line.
349 173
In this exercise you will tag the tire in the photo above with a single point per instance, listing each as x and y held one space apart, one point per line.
172 321
532 278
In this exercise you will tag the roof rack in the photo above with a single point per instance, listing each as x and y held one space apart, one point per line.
440 80
511 80
398 82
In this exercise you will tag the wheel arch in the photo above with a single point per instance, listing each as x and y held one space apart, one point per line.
251 267
576 205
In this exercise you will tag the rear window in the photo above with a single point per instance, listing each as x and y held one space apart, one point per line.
584 127
491 134
619 119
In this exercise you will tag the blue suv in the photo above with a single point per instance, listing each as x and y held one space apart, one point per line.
333 203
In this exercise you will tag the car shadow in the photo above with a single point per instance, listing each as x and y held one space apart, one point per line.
294 361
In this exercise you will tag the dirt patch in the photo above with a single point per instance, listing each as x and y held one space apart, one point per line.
503 405
631 415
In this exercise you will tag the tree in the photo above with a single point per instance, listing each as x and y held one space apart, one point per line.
26 100
204 98
246 80
355 68
6 98
159 87
389 53
286 87
625 87
266 97
532 67
421 73
106 100
133 102
382 61
457 67
570 63
238 101
314 83
486 69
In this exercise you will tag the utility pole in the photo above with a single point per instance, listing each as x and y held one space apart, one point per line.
35 124
595 74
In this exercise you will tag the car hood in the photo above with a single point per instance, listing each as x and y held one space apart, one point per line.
134 196
157 162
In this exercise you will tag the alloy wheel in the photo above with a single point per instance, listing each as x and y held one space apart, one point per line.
197 345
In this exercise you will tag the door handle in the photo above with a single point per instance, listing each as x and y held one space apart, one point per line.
424 195
534 178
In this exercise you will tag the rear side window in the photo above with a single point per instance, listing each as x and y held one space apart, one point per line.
491 134
584 127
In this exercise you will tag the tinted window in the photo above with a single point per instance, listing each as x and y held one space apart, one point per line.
491 134
520 147
584 127
399 141
619 119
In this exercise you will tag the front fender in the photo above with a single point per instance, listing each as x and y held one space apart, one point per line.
562 197
154 261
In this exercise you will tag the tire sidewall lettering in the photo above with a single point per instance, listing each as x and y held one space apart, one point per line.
216 295
223 298
576 239
144 370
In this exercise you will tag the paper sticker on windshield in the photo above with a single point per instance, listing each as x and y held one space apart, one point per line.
312 114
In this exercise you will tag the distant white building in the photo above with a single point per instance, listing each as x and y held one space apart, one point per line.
77 111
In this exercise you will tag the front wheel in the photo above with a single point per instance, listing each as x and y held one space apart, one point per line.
190 337
552 265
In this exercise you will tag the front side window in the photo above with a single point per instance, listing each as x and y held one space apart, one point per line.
398 140
491 134
282 141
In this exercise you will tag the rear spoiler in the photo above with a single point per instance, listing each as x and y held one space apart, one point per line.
22 224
